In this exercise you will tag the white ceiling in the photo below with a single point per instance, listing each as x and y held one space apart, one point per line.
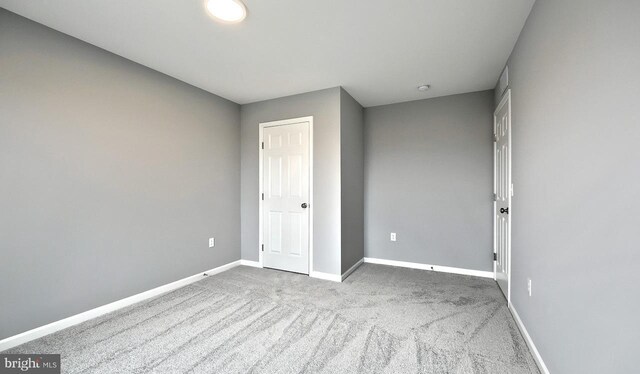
378 50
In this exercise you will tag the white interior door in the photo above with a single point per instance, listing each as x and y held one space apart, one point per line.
502 189
285 204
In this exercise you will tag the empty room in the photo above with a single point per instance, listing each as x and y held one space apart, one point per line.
296 186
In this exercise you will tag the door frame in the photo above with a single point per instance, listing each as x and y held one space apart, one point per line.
506 99
284 122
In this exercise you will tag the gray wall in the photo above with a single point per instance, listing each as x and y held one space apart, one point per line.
575 81
428 177
324 106
352 172
113 177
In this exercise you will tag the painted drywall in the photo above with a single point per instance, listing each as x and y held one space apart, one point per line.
113 177
352 179
576 171
324 106
428 178
381 48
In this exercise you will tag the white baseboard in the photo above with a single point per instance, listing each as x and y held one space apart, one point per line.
527 338
352 269
326 276
41 331
443 269
254 264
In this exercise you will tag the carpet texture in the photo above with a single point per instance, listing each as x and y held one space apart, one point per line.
382 319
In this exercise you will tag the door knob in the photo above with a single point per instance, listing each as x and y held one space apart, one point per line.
304 205
504 210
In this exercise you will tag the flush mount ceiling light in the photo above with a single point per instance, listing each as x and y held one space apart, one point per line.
424 87
226 11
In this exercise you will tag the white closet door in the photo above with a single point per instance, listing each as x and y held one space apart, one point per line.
286 197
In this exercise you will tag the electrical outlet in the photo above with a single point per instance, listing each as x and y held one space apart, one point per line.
212 242
393 237
529 286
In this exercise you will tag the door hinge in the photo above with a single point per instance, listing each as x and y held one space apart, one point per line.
495 256
262 247
495 197
263 196
262 145
495 138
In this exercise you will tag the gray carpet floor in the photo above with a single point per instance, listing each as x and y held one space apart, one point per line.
382 319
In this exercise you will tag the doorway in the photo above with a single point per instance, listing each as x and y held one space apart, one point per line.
503 192
286 194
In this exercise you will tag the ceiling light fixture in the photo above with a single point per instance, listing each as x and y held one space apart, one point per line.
226 11
424 87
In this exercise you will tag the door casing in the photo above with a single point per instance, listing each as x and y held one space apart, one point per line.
284 122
